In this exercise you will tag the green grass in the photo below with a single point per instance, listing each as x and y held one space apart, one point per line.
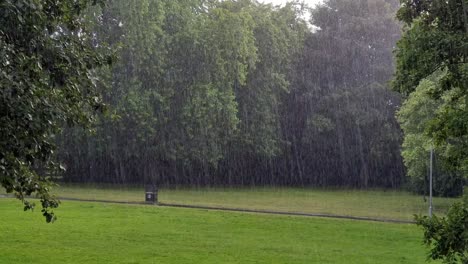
398 205
110 233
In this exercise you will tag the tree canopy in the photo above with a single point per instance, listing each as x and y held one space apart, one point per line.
415 116
435 39
47 80
243 93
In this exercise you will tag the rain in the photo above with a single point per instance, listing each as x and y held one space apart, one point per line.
322 110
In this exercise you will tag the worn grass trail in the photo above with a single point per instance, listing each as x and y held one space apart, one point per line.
110 233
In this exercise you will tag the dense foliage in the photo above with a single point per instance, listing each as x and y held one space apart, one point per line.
448 236
415 116
340 116
46 81
436 39
243 93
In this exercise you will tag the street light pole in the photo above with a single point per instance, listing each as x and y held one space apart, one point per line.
430 182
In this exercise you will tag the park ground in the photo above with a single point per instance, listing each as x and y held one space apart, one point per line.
92 232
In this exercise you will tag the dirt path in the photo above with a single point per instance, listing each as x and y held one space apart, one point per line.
239 210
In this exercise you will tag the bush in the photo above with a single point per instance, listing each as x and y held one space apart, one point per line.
448 236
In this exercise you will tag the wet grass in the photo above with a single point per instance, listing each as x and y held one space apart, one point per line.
398 205
110 233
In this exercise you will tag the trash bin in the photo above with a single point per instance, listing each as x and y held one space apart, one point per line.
151 194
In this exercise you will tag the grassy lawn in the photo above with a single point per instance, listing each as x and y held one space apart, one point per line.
110 233
397 205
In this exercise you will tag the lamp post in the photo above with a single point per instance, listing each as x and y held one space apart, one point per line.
430 181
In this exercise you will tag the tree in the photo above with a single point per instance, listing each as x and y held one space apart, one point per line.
279 38
415 117
435 40
172 92
47 80
338 98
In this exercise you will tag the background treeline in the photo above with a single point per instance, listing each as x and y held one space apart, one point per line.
208 92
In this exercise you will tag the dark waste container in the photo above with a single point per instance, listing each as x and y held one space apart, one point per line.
151 194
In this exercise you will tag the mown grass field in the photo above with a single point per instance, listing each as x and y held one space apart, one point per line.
108 233
398 205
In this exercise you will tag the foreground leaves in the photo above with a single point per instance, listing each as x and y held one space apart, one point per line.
47 64
448 236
